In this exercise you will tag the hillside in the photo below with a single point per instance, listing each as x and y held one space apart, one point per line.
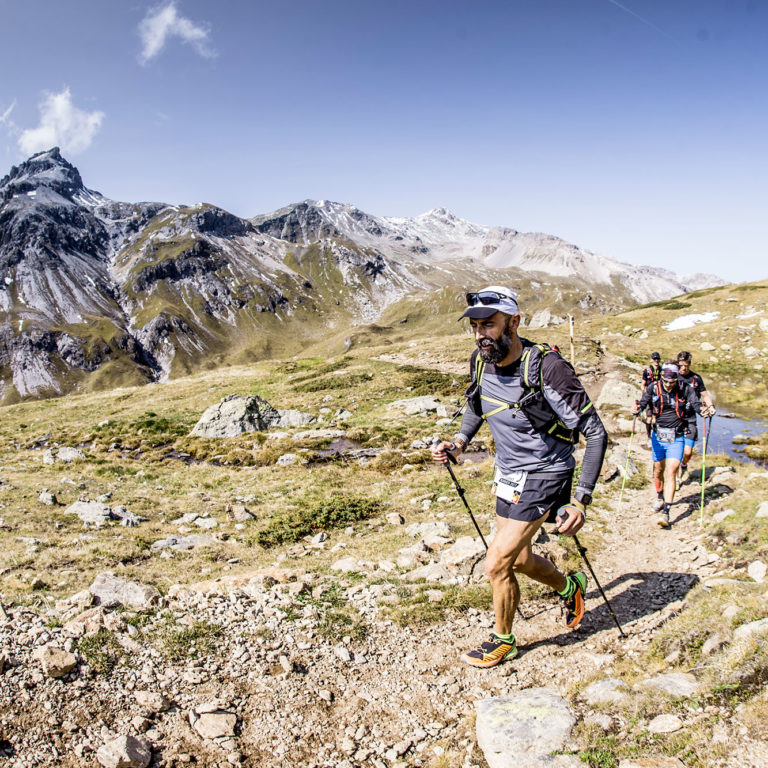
300 619
96 293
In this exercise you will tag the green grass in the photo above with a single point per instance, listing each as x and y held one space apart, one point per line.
416 609
101 651
310 518
178 642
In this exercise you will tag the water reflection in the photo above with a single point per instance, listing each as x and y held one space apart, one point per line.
724 430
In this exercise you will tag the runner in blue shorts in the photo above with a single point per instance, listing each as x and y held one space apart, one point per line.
672 402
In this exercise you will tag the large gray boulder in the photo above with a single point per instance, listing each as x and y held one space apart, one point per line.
110 591
293 418
91 512
236 415
523 729
415 405
464 558
618 393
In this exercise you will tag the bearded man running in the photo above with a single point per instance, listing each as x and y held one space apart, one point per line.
535 428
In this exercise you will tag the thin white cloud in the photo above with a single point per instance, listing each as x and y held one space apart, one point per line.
63 125
5 117
641 19
165 22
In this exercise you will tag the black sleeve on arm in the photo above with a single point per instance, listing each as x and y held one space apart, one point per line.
597 441
693 399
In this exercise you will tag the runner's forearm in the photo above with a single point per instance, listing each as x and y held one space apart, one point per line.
470 424
597 441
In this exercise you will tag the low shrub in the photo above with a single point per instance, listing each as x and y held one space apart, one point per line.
308 519
100 650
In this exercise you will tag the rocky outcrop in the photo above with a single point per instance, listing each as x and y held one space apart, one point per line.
236 415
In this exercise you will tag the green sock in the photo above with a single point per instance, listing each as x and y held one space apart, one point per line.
510 638
570 588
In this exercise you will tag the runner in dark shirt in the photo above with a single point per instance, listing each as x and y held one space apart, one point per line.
671 401
684 361
650 374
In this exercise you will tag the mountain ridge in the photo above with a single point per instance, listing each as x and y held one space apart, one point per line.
95 292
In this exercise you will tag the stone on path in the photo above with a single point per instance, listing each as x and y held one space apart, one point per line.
610 690
293 418
432 572
464 557
236 415
125 752
677 684
55 662
346 565
419 530
523 729
665 724
651 762
111 591
183 543
618 393
212 720
47 498
718 517
152 701
68 454
762 510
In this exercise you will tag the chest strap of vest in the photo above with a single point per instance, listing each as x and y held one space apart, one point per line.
503 405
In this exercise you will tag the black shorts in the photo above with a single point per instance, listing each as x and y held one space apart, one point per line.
692 432
543 492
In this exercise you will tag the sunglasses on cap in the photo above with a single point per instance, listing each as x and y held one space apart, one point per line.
486 298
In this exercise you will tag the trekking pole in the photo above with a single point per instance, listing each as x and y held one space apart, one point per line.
460 491
626 466
453 460
707 428
583 553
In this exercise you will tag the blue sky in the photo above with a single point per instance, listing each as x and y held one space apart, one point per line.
633 129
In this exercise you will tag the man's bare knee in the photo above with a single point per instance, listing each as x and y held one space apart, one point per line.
497 565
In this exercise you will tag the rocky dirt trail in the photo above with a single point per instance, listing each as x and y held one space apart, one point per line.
254 680
272 691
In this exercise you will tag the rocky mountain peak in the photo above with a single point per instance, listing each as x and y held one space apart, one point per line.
43 170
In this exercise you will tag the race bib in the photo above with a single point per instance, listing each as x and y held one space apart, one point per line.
509 486
665 434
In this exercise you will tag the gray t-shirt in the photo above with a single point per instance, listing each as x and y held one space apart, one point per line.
518 444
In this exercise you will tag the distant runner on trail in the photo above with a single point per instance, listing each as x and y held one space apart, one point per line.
535 406
672 401
684 361
650 374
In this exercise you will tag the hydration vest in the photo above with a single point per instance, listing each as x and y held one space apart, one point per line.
653 374
533 403
657 403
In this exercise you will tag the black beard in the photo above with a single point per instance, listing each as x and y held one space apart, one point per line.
497 350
